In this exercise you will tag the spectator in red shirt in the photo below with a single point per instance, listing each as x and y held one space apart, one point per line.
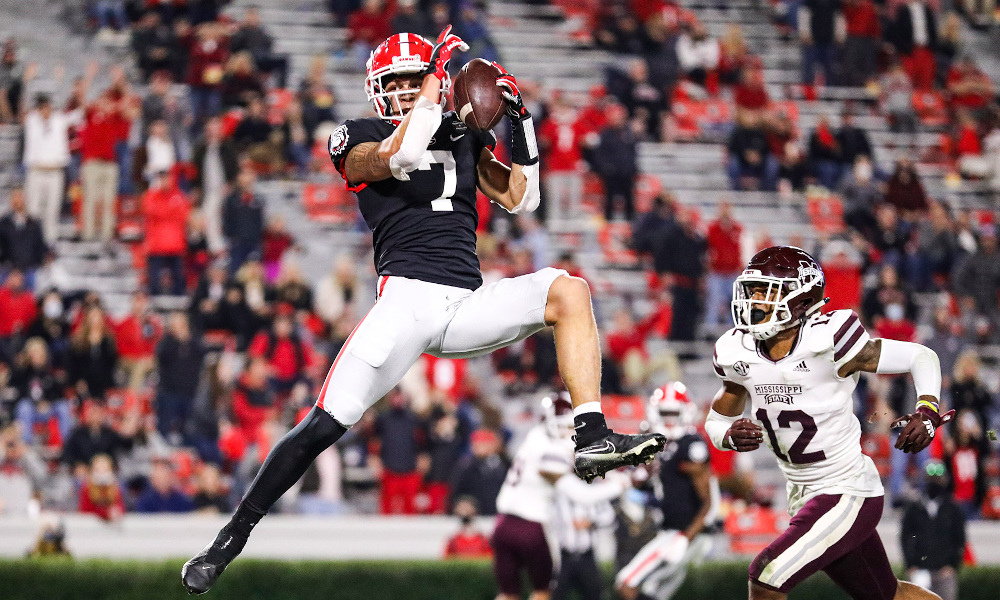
842 270
166 211
468 542
275 243
253 401
105 126
724 264
627 344
593 116
750 95
965 458
17 311
368 27
208 51
864 35
101 494
288 356
137 335
969 86
561 136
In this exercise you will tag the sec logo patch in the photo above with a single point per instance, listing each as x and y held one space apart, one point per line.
742 368
338 140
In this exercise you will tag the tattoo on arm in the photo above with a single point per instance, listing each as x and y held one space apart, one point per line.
365 164
865 361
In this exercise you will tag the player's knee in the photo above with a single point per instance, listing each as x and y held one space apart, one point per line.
568 295
758 592
909 591
626 592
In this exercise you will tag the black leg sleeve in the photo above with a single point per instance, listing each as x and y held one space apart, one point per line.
290 458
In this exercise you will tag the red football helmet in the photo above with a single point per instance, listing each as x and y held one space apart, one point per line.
401 54
792 284
557 414
670 410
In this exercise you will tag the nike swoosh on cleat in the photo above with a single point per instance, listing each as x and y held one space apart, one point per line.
608 447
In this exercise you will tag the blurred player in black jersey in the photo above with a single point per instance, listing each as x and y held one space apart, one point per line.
415 172
687 495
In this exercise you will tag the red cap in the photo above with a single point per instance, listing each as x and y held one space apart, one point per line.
483 436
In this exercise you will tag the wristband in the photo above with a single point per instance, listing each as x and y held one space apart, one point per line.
523 148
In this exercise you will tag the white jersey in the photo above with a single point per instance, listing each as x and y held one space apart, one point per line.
525 493
805 408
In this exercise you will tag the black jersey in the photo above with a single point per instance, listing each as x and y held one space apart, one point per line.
424 228
680 502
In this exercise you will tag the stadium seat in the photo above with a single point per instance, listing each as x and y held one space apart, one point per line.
991 504
623 413
613 238
750 531
826 212
930 108
328 203
878 448
278 101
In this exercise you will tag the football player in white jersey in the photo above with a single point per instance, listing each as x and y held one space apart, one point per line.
525 503
798 368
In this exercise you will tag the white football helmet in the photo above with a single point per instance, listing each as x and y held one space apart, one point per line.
670 410
557 415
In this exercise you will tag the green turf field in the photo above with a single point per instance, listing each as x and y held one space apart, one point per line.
61 579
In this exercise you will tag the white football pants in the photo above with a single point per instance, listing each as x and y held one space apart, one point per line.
414 317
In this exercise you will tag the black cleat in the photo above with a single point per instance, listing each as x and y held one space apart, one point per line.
617 450
201 572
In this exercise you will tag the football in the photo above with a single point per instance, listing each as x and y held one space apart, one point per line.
478 100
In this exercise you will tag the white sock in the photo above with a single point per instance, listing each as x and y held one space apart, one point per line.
587 407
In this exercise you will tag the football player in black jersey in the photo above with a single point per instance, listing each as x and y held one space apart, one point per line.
687 495
415 172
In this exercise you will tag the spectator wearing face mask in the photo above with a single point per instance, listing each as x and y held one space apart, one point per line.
932 536
469 541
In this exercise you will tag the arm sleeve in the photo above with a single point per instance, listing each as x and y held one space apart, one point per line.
920 361
555 463
716 427
425 119
573 487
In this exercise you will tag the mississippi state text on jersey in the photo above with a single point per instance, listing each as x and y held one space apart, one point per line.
805 408
424 228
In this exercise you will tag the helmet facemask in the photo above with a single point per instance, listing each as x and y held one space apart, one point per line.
751 314
380 75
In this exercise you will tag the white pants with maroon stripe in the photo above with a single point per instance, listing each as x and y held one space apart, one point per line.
661 565
413 317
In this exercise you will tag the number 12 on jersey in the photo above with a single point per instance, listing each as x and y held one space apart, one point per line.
447 160
796 452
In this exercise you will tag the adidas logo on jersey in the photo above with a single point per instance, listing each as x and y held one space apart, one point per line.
801 367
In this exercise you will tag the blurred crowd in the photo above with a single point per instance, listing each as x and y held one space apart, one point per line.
174 410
